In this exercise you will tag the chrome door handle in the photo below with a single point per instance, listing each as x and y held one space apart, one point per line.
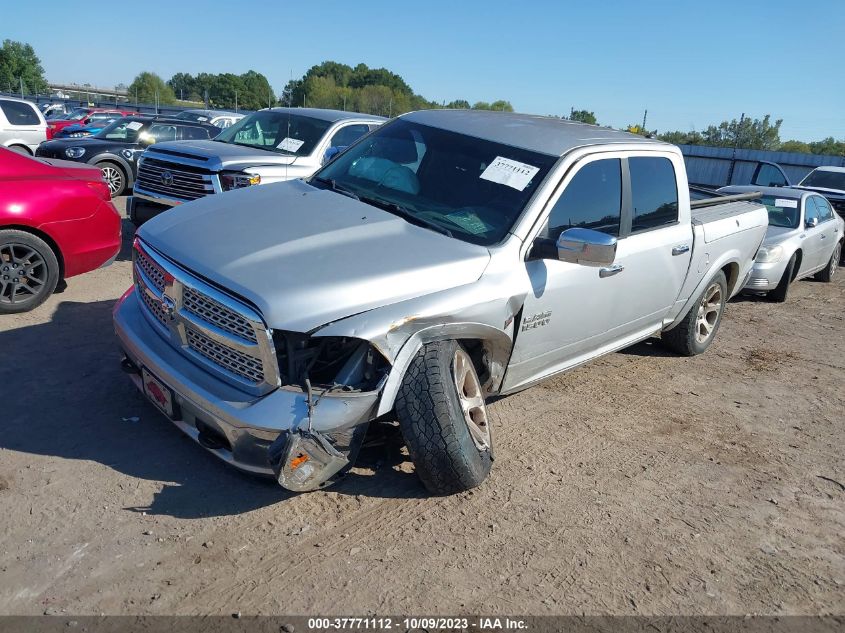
680 250
611 270
823 236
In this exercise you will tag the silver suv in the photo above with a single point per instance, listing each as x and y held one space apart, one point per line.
267 146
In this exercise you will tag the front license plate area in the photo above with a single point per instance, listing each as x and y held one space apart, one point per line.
158 393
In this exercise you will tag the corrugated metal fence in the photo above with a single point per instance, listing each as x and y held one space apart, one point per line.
710 166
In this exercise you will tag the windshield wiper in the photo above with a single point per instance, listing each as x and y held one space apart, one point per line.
405 214
331 182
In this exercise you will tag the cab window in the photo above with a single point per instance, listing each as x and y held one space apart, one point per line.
654 193
348 135
591 200
19 113
825 212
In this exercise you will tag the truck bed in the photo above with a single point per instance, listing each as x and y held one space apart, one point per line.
731 217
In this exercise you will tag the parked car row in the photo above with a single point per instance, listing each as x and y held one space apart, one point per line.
411 268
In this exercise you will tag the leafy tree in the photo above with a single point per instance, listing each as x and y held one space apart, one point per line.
682 138
458 104
480 105
147 85
828 146
583 116
18 62
185 86
501 106
747 134
257 91
795 146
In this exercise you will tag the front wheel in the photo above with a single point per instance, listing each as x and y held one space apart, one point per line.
114 177
29 271
444 420
694 334
779 294
830 270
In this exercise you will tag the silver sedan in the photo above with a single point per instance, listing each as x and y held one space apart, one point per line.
804 238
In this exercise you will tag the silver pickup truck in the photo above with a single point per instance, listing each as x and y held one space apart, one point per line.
447 257
267 146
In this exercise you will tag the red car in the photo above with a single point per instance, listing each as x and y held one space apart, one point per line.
84 116
56 221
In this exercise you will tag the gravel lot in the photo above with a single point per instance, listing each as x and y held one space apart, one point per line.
643 483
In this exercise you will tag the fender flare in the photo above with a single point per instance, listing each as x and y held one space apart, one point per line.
498 345
727 259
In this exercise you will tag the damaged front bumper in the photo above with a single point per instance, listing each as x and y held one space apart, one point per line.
304 445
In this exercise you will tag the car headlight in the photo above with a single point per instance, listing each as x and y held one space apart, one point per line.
78 134
769 254
238 180
75 152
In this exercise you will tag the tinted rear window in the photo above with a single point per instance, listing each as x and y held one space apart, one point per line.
18 113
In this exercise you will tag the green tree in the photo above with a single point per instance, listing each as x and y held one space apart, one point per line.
146 86
185 87
747 134
583 116
795 146
257 91
458 104
828 147
682 138
19 64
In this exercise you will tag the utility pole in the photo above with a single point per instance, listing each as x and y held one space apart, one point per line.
645 115
21 78
736 144
236 100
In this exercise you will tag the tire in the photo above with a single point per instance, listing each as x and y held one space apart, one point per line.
452 450
778 295
694 334
20 149
21 251
830 270
114 176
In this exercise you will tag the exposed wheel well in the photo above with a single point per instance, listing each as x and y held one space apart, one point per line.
731 274
798 256
23 147
40 234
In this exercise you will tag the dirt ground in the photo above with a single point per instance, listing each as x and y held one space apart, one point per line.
643 483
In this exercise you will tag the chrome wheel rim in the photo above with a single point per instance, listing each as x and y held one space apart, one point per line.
23 273
834 259
471 400
113 178
709 310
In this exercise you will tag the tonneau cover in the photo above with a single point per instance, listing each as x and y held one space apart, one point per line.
729 218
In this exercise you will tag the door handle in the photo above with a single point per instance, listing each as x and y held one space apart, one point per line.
680 250
611 270
823 236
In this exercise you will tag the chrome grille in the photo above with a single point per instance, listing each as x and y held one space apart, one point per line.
174 180
153 272
216 331
238 363
217 314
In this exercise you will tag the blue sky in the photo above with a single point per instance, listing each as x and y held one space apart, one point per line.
690 63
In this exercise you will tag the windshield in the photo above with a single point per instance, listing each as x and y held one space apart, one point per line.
196 117
122 130
276 131
825 179
75 115
782 211
470 188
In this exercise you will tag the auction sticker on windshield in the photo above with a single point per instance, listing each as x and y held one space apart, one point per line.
134 125
509 172
290 144
786 203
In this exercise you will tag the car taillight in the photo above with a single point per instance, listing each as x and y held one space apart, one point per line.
100 188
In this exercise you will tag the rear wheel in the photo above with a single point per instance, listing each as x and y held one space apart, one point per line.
694 334
444 420
29 271
20 149
779 293
114 176
830 270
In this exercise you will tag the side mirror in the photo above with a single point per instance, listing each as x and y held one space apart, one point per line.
332 153
586 247
811 223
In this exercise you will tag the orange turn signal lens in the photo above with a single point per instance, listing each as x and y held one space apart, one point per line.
297 461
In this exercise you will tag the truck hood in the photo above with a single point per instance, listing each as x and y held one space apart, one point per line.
216 155
305 256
